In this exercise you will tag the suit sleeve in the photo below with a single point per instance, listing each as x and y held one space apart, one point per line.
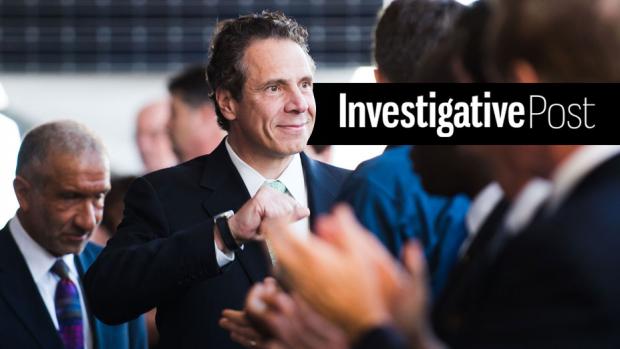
145 263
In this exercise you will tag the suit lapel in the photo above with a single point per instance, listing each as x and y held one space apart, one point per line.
20 292
320 192
463 287
226 191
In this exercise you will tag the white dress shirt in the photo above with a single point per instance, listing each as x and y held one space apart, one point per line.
39 262
482 206
292 177
539 194
479 210
525 205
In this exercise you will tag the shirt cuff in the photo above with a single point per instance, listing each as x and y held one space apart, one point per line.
223 258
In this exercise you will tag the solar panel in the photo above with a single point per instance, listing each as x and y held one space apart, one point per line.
163 35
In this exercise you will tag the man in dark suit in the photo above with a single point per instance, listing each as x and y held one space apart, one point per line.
62 178
553 283
188 243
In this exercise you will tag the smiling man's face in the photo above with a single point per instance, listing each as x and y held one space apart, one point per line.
275 114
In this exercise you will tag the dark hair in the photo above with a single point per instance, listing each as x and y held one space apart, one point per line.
225 69
191 86
113 204
407 30
463 49
564 40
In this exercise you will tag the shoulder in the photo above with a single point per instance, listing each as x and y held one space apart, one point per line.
584 228
596 199
391 158
393 166
5 230
191 169
92 250
390 173
172 182
334 171
323 171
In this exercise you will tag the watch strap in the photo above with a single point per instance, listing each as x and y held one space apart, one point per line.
221 221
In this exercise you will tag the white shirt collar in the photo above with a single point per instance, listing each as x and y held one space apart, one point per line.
526 205
39 260
481 207
292 177
575 168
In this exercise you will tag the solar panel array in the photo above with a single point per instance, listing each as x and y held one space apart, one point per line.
163 35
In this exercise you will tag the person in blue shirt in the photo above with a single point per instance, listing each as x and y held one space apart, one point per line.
385 192
388 199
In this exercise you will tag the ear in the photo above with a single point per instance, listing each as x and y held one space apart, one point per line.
524 72
227 104
22 189
379 78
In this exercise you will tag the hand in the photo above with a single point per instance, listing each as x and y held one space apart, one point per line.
410 304
267 203
288 321
351 279
347 276
241 331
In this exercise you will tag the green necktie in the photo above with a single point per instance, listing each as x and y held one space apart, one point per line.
280 187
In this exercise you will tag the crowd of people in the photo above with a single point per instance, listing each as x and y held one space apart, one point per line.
234 237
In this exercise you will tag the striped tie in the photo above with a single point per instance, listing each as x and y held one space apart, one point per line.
280 187
68 308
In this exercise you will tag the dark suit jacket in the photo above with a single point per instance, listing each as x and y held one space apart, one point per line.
557 284
24 319
462 295
163 254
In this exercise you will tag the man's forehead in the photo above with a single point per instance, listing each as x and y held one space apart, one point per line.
85 179
276 59
82 162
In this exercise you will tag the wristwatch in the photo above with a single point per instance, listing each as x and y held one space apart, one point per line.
221 221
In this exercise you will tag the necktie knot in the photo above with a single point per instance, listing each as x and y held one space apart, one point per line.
61 269
278 186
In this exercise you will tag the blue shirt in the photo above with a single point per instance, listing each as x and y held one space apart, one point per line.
388 199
